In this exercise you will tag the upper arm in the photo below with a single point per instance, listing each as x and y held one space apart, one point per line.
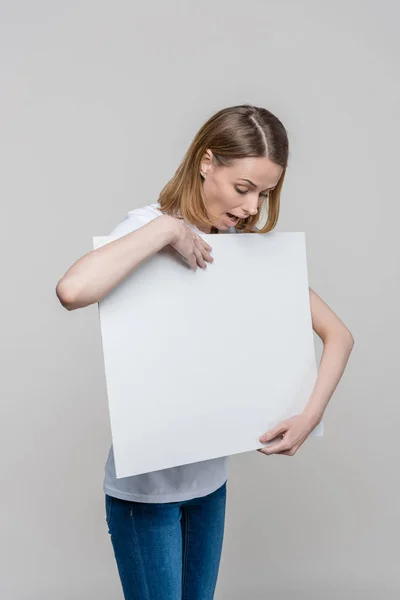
127 225
324 320
133 220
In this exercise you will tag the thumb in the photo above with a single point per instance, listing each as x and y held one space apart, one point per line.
273 433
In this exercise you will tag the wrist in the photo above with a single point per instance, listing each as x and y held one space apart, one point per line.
313 416
169 228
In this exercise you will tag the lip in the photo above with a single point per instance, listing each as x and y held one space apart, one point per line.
231 222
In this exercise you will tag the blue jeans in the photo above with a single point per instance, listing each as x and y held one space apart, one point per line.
168 551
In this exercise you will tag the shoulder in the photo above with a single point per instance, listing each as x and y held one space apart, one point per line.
135 218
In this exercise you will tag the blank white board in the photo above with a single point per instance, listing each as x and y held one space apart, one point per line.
199 364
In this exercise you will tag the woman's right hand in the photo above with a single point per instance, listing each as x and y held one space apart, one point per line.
190 246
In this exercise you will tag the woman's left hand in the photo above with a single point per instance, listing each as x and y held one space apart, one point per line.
293 432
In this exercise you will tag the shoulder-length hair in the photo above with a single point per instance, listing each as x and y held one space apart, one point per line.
231 133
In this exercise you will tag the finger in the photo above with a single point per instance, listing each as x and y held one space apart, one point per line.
192 261
207 256
204 248
273 433
292 450
282 446
287 452
199 258
262 450
203 243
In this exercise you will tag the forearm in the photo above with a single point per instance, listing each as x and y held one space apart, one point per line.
335 355
96 273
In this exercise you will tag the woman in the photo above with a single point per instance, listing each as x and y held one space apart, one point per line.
167 526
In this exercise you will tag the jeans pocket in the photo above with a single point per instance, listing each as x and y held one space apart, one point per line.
109 506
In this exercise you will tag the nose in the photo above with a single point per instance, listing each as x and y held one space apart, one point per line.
251 206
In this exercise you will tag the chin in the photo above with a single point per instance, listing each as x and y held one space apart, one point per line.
223 226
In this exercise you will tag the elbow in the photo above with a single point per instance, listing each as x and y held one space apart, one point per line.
66 295
339 335
348 339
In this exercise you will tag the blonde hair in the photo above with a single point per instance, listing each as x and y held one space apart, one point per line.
231 133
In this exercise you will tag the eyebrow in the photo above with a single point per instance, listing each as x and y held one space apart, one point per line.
254 185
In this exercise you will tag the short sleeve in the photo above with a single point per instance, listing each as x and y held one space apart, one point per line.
134 219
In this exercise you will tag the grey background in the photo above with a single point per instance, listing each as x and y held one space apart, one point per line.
99 101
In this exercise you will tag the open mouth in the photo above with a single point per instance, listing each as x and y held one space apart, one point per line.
233 218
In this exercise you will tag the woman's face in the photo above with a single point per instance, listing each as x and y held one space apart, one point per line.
228 193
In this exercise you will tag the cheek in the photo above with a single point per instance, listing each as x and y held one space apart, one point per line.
223 198
229 199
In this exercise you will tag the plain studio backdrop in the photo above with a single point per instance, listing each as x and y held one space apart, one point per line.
99 102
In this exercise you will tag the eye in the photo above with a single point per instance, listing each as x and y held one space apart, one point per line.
245 192
240 191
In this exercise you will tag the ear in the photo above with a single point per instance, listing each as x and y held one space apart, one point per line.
206 162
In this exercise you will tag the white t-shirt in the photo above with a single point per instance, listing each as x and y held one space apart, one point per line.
183 482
